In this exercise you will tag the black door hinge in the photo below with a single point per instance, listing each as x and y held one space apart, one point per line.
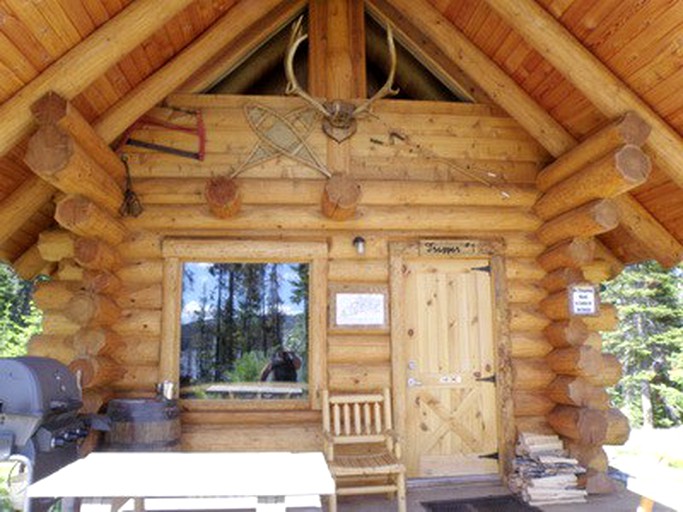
490 378
486 268
494 456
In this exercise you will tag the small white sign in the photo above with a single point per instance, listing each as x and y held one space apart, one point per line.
360 309
584 300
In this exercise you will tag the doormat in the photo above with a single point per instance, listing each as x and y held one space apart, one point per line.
491 504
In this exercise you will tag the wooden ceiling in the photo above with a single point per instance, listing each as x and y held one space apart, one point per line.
640 42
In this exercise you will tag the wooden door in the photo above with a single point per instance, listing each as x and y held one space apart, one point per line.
450 423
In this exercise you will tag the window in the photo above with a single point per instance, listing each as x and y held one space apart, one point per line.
244 322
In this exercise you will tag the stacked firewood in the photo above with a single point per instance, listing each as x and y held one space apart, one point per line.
543 474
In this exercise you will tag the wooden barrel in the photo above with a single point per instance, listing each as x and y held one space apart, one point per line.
143 425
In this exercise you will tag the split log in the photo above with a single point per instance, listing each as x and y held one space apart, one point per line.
528 344
96 281
589 426
561 278
50 345
577 361
589 456
56 245
97 342
577 391
89 309
68 270
96 371
609 176
51 295
606 320
568 333
629 129
56 157
610 371
340 197
574 253
94 254
223 197
531 403
84 218
531 373
590 219
56 110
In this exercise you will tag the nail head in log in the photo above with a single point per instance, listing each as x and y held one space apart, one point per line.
223 197
89 309
590 219
84 218
628 129
340 197
94 254
96 371
574 253
609 176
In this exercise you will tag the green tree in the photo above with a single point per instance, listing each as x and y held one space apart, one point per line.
19 318
649 343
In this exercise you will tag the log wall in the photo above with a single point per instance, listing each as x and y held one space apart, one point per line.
426 170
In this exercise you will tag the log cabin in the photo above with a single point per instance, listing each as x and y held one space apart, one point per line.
468 182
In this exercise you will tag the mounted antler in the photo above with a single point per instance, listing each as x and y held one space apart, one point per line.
339 116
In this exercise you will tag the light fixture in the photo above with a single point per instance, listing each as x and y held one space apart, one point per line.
359 244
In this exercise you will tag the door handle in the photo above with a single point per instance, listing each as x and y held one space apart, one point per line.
412 382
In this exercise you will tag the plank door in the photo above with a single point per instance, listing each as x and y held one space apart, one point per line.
451 423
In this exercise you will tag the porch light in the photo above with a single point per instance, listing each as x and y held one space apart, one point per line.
359 244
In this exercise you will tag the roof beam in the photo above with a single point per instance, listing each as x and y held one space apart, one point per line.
421 19
590 76
86 62
22 204
230 31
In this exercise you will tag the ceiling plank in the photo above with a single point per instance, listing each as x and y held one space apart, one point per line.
583 70
86 62
430 25
241 19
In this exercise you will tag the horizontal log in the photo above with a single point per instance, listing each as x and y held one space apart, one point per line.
145 296
574 253
589 426
54 346
598 482
94 254
138 323
589 456
84 218
31 264
309 192
358 377
577 361
609 176
358 348
567 333
533 425
307 437
169 219
628 129
56 244
69 270
55 156
340 197
52 295
607 319
223 197
531 403
141 245
577 391
531 374
526 318
556 305
142 272
599 271
610 372
561 278
98 342
199 418
22 204
527 269
528 344
101 281
594 341
89 309
55 323
588 220
521 291
94 372
138 349
94 400
359 271
139 378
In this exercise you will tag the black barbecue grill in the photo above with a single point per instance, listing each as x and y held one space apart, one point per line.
39 421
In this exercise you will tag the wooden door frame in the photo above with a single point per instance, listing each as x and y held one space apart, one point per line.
399 253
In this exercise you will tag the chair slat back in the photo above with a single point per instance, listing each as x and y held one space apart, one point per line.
357 418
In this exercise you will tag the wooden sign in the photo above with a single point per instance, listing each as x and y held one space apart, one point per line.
451 248
584 300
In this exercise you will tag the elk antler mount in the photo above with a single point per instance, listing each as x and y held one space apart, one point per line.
339 117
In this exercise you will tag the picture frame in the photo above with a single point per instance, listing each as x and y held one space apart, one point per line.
359 307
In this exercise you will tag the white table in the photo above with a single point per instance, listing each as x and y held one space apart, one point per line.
119 476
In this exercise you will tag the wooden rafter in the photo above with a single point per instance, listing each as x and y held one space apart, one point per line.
86 62
421 19
224 34
22 204
590 76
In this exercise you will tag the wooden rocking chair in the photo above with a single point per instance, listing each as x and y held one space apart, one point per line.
360 446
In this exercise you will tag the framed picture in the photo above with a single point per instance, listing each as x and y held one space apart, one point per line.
361 307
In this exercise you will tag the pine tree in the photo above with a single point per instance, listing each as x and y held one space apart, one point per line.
19 318
649 343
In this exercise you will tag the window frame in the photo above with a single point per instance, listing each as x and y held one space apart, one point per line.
175 252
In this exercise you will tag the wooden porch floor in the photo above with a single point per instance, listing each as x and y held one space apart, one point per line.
419 492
